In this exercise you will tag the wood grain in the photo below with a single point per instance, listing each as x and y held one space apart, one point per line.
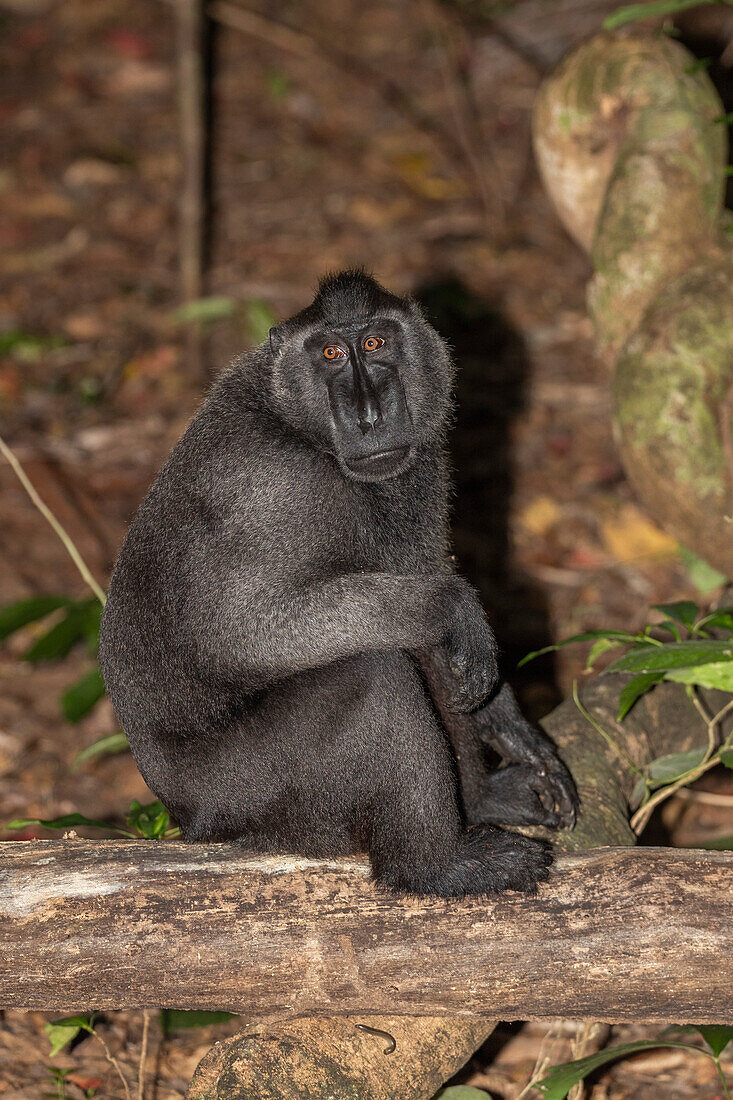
616 934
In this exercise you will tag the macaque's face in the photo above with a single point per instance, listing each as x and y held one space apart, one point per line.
359 363
368 389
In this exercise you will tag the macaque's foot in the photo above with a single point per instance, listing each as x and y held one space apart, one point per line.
502 725
489 861
552 784
512 796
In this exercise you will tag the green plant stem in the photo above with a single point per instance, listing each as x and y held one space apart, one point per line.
723 1081
712 758
50 518
606 736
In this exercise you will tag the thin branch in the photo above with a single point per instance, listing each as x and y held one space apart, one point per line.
113 1062
606 736
190 29
544 1057
642 815
50 518
143 1056
705 798
457 102
348 63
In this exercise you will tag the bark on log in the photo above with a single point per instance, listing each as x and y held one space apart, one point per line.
616 934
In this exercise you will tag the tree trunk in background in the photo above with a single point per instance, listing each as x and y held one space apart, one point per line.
630 143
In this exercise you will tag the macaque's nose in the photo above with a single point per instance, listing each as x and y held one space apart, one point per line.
368 411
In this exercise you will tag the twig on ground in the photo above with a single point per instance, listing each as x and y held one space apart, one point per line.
50 518
491 200
544 1057
143 1055
353 65
114 1063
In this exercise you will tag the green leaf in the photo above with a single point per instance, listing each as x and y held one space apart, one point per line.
68 821
16 615
665 769
174 1019
672 627
726 757
639 793
27 346
683 611
151 821
717 675
717 1036
260 320
105 746
61 1032
634 689
660 658
80 622
205 310
632 13
623 638
82 696
721 619
561 1079
702 575
599 647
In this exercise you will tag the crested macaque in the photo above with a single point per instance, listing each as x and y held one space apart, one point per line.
291 653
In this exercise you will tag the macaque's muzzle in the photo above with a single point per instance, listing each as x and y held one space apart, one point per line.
371 421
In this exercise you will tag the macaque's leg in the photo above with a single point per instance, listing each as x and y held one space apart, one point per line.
417 841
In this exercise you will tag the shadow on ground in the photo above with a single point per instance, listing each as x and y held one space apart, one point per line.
492 380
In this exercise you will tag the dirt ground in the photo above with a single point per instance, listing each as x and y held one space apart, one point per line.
394 135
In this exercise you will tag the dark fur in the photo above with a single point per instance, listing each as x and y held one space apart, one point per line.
288 649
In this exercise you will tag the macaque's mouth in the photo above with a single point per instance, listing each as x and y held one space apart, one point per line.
381 464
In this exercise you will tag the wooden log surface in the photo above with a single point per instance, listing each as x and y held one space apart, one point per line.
616 934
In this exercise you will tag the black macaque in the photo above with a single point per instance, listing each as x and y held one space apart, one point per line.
290 652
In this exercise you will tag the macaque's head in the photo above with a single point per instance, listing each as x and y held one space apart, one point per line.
362 374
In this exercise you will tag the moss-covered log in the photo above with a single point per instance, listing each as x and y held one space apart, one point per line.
631 149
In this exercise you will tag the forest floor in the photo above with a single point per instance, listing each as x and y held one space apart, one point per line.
394 135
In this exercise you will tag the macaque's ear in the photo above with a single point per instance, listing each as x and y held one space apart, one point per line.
277 339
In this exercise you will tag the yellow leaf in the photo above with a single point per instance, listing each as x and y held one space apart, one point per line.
631 535
539 515
419 173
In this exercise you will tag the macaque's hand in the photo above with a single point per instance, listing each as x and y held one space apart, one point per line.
467 657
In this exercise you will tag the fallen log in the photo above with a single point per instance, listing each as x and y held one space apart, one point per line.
616 934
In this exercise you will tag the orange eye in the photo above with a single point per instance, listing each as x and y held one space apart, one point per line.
333 352
373 342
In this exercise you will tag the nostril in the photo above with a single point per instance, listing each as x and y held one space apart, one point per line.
369 422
